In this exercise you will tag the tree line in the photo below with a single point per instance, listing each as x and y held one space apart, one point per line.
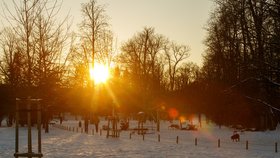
42 57
243 60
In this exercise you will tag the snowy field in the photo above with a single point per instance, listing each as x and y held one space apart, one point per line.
61 143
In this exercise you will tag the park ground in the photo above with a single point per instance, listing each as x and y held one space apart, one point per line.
68 141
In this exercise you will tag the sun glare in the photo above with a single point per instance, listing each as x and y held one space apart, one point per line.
100 73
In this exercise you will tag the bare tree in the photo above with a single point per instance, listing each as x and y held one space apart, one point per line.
106 48
141 54
175 54
187 74
11 66
142 58
243 45
23 22
93 26
50 40
40 39
38 59
243 40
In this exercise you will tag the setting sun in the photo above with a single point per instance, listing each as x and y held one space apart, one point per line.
100 73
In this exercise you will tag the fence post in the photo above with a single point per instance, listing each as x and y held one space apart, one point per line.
219 143
17 130
39 115
177 139
195 141
276 147
247 145
29 126
143 136
129 135
158 137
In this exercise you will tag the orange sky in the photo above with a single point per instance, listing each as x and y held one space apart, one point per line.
180 20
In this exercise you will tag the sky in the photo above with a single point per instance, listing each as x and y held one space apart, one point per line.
182 21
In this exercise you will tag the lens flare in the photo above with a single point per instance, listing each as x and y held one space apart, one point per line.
173 113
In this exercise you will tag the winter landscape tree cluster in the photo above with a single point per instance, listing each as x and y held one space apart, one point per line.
41 56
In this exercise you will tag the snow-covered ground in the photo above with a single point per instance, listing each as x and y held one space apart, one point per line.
59 143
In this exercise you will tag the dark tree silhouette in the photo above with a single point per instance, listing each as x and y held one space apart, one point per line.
241 46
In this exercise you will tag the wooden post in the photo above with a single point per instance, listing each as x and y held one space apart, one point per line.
39 127
195 141
219 143
17 122
143 136
29 127
114 127
247 145
276 147
177 139
158 121
46 120
129 135
86 124
27 104
116 134
108 126
159 138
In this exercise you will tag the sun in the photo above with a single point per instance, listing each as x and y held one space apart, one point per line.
100 73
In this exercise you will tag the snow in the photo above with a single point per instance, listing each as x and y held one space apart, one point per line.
60 143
